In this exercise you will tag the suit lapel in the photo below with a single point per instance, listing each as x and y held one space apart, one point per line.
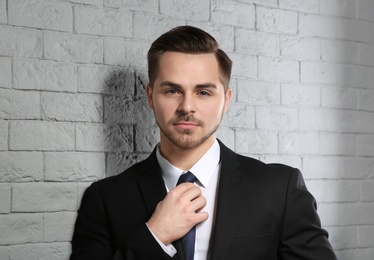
228 202
153 189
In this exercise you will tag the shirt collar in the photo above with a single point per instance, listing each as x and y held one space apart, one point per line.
202 169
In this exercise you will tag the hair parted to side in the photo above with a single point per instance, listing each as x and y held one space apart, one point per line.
190 40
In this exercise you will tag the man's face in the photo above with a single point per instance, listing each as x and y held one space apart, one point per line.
188 99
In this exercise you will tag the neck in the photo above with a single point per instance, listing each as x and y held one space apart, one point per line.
182 158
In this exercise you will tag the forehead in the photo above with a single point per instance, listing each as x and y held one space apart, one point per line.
184 65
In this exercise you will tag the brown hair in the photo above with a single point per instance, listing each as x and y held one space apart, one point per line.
191 40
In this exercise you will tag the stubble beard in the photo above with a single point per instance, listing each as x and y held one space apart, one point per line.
185 138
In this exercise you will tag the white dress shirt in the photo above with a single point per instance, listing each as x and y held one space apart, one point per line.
207 171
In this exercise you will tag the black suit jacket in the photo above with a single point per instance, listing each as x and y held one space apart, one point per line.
263 212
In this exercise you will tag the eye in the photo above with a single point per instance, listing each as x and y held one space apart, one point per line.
171 91
204 93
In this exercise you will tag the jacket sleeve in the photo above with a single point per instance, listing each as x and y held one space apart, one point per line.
92 239
302 236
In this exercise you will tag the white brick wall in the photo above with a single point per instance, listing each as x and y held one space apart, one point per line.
73 107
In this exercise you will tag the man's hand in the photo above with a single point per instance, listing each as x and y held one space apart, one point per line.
178 213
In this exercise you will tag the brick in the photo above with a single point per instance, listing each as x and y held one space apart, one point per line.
72 107
141 81
339 51
367 191
237 111
366 54
21 228
315 25
149 27
258 92
188 10
87 2
356 121
222 11
276 118
3 12
301 48
276 20
3 135
82 186
299 143
365 10
324 167
254 42
343 237
335 190
101 21
366 236
44 197
118 162
314 119
73 47
339 97
290 160
357 168
224 34
365 145
278 69
16 104
146 138
298 95
104 138
329 213
227 136
350 216
355 30
58 226
338 144
21 166
5 73
5 197
17 42
337 74
244 65
304 6
256 142
106 80
74 166
40 251
41 14
4 252
36 135
125 53
149 6
333 120
271 3
361 253
44 75
344 8
125 110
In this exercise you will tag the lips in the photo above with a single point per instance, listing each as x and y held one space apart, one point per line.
186 125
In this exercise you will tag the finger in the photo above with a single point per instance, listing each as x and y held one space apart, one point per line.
192 193
197 204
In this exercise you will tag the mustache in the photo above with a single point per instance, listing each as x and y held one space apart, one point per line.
188 118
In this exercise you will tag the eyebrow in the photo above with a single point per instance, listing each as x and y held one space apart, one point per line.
199 86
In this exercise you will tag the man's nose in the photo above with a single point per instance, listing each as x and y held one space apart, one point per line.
187 104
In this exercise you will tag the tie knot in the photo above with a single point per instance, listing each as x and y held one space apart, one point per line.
187 177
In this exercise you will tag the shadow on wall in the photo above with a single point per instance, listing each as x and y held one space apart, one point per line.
130 129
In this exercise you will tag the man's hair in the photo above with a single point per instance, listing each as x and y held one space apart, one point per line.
190 40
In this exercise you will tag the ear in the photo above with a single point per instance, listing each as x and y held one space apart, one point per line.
228 96
149 91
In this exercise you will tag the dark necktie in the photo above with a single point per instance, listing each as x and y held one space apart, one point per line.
188 241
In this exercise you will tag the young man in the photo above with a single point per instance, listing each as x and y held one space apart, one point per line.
237 207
